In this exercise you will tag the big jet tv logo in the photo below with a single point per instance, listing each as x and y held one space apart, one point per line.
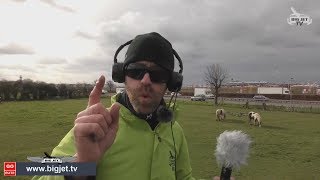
298 19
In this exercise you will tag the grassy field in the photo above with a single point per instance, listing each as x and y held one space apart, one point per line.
287 146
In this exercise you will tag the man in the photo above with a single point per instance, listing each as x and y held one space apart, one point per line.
130 140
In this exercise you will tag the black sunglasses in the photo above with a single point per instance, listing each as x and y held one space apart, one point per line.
138 70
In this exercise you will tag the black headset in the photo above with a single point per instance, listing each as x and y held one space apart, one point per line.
174 84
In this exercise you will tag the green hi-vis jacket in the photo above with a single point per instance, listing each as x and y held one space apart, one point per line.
138 152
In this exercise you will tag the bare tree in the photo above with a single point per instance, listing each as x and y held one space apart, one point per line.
110 85
215 75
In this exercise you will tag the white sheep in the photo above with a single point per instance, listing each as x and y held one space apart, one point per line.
256 118
220 114
250 114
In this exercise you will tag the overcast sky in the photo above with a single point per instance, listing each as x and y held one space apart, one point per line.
60 41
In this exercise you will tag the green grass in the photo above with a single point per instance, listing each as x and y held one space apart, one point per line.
287 146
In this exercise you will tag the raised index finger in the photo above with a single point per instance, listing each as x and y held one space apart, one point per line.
95 94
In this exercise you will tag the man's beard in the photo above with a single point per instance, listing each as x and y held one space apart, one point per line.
135 94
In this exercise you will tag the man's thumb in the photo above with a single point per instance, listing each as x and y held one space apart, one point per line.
114 112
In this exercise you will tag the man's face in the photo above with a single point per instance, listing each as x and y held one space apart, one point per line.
145 95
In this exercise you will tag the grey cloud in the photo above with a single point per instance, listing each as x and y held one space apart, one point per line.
279 72
114 39
290 37
48 61
18 68
85 35
252 39
14 48
52 3
88 65
126 27
287 42
118 31
19 1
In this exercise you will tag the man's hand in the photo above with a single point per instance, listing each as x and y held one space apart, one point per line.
96 127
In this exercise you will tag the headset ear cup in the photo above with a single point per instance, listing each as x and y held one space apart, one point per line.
117 73
175 83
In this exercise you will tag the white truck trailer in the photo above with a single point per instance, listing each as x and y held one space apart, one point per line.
272 90
204 91
198 91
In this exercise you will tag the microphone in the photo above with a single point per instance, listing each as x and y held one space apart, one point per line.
231 151
164 114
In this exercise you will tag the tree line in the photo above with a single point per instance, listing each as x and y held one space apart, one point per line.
27 89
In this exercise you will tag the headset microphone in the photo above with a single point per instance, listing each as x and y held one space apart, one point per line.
164 114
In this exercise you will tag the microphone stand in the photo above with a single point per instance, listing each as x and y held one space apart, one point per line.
225 173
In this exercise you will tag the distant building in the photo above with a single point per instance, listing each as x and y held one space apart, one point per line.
247 83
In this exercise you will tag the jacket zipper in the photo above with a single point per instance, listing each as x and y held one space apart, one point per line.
157 134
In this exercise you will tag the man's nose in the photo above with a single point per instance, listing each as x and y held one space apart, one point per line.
146 79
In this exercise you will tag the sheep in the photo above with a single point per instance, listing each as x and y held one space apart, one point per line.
220 114
250 114
256 118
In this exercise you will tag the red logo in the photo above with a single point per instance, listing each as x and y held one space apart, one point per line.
9 168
